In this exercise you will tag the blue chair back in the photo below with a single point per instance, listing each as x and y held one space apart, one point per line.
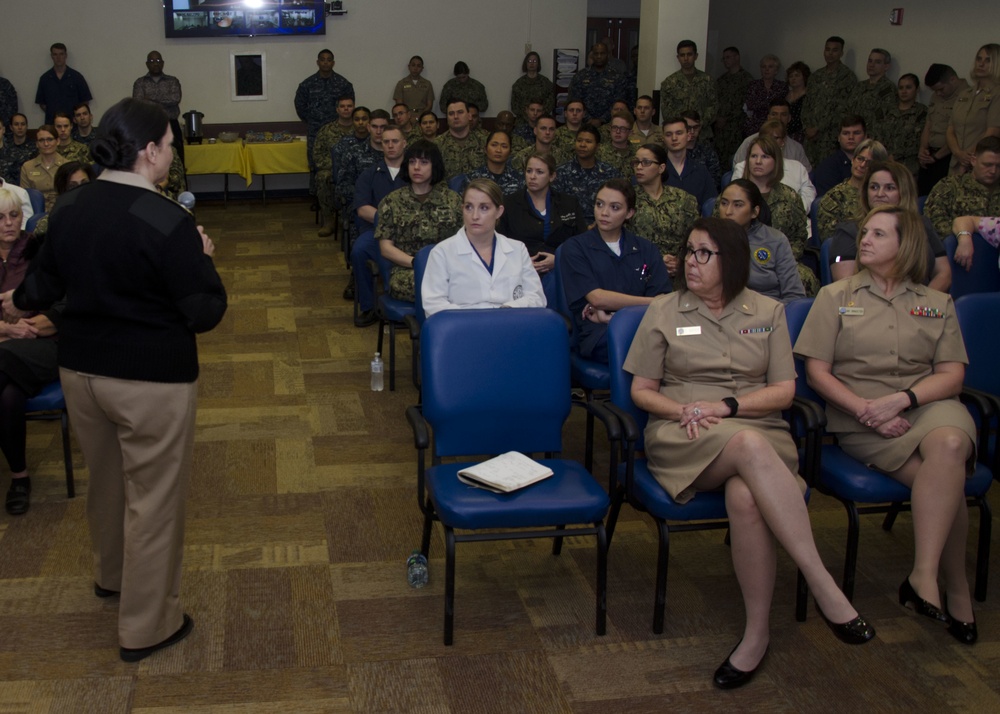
921 200
817 239
37 199
825 273
977 316
419 266
708 207
727 178
495 380
985 274
32 222
458 183
796 313
621 332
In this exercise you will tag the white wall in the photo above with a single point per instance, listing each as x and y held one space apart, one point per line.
932 31
613 8
108 43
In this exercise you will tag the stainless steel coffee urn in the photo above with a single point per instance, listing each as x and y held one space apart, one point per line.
192 126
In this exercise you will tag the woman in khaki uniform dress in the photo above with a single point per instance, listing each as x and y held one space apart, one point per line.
887 355
976 113
712 365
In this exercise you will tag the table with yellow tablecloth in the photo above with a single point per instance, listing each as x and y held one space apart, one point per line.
245 160
219 158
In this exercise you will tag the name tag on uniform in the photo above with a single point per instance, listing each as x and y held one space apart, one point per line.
755 330
851 310
685 331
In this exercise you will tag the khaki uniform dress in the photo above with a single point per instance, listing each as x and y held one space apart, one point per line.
881 344
697 356
975 111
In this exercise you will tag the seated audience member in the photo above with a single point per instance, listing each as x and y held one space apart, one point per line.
403 118
39 173
964 226
618 152
525 128
584 174
27 354
898 410
773 270
976 114
545 134
478 267
795 175
684 172
935 154
84 130
841 202
837 166
797 75
608 268
532 85
70 175
887 183
23 199
701 151
464 88
973 194
645 130
68 148
715 424
498 168
375 183
358 157
762 92
663 214
429 126
461 149
15 148
620 105
539 217
422 213
506 121
904 124
780 110
476 128
564 146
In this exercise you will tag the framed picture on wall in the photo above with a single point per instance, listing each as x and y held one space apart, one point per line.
248 76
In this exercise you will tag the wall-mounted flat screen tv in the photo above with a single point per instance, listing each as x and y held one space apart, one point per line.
243 18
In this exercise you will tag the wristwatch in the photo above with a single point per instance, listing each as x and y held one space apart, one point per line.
734 406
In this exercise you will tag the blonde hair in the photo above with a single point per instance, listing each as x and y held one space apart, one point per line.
8 200
904 182
771 148
911 259
485 186
993 50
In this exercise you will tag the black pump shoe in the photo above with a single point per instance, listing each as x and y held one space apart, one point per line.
852 632
728 677
964 632
908 595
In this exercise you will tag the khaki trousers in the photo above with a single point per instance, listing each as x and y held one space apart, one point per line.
138 439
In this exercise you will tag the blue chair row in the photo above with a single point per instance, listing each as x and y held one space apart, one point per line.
985 273
50 405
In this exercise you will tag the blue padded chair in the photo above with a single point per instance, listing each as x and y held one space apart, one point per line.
32 222
816 239
921 200
984 276
635 483
457 183
977 312
825 273
852 483
37 199
727 178
708 207
50 405
415 322
496 381
391 312
585 374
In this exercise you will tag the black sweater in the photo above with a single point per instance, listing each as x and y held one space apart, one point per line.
137 284
520 222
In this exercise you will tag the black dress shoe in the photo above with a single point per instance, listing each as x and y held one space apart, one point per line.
908 595
141 653
349 290
102 592
18 496
852 632
728 677
366 318
964 632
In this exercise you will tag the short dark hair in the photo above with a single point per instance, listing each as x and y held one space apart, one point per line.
489 137
910 75
379 114
456 101
731 48
61 115
66 171
675 119
800 67
423 149
622 186
754 196
524 63
938 73
58 46
837 39
592 130
644 96
546 115
469 106
81 105
885 54
687 43
547 158
428 112
988 143
126 129
417 57
324 52
779 102
656 150
733 257
461 68
576 101
362 108
19 114
692 114
401 104
853 120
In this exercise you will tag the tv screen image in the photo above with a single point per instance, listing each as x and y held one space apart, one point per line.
224 18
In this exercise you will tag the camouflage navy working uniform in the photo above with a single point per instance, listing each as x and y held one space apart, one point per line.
839 204
583 183
824 106
679 93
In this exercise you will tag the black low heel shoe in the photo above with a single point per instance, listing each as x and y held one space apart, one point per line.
852 632
728 677
908 595
964 632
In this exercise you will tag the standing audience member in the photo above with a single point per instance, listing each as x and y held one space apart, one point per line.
136 271
532 85
413 90
62 87
584 174
841 202
762 92
874 98
329 135
731 89
976 193
463 87
316 101
689 88
904 124
15 148
39 172
598 86
797 75
826 101
163 89
935 154
8 102
976 113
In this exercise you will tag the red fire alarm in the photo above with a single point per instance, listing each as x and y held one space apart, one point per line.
896 16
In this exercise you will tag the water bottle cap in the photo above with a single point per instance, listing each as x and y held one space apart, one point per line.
377 354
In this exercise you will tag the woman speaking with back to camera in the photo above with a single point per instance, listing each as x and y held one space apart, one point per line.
139 283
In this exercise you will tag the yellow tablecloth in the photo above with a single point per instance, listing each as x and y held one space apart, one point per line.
286 158
217 158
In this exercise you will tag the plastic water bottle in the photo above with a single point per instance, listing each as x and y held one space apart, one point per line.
377 382
416 570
